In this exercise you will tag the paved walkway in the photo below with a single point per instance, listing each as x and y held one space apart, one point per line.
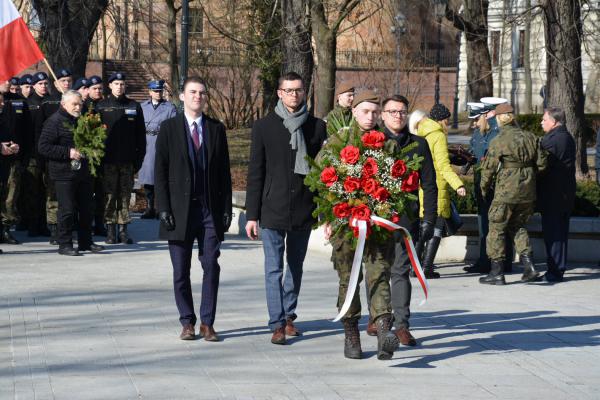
105 327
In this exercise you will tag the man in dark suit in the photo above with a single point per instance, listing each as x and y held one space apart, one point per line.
277 197
193 192
556 191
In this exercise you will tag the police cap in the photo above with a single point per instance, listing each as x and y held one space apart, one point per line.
156 85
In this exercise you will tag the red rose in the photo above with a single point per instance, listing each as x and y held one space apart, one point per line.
398 169
369 167
341 210
350 154
329 176
351 184
361 213
355 230
369 185
395 218
381 194
411 183
373 139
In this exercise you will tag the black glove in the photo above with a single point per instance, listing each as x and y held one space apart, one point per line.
226 221
425 231
167 219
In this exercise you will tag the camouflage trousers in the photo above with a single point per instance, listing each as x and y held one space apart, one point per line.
9 192
507 223
118 184
377 260
51 200
33 193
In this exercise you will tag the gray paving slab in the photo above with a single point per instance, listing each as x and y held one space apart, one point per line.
105 327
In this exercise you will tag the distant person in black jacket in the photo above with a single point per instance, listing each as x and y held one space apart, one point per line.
124 154
277 197
556 191
70 174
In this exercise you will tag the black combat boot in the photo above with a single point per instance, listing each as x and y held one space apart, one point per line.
53 234
68 250
529 272
6 237
352 347
387 342
99 229
480 267
496 275
111 237
123 236
430 251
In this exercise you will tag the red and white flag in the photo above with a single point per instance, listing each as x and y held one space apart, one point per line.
18 49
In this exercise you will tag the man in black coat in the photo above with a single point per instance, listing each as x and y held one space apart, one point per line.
124 154
193 192
395 118
277 197
70 175
556 191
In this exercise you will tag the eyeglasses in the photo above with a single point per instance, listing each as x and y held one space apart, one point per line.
397 113
290 91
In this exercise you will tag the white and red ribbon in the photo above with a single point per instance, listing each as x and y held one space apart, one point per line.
358 254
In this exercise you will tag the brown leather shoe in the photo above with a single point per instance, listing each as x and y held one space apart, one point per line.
208 333
405 337
290 328
187 333
371 328
278 336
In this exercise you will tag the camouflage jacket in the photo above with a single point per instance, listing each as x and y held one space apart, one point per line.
513 159
339 113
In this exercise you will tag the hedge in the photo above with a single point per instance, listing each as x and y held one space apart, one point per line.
587 200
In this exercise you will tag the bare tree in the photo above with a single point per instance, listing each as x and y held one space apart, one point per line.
296 39
564 86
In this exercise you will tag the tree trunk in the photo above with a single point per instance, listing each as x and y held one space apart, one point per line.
67 29
325 46
296 40
473 22
172 45
564 85
527 106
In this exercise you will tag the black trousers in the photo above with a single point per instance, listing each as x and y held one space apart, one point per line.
555 227
401 288
74 197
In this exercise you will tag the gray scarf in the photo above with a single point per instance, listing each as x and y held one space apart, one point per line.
293 122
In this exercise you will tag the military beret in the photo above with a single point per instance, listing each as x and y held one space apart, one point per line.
63 73
81 82
39 76
343 88
156 85
116 76
94 80
14 80
25 80
504 108
368 96
439 112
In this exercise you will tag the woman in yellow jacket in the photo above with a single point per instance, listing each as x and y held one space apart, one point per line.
434 129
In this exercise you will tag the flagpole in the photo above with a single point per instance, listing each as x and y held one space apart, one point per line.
53 74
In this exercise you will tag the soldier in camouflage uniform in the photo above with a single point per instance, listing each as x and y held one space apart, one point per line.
343 106
377 259
514 158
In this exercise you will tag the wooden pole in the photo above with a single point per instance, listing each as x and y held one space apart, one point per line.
52 73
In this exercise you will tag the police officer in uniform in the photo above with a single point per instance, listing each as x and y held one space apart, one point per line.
124 154
512 162
70 174
83 87
95 91
14 87
25 84
155 110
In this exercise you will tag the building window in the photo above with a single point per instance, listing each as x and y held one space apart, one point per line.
196 23
521 60
495 47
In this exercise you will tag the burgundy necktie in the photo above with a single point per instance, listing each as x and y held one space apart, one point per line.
195 136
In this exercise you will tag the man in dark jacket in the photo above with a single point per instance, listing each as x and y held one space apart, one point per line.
277 197
556 191
124 154
193 191
394 115
70 174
